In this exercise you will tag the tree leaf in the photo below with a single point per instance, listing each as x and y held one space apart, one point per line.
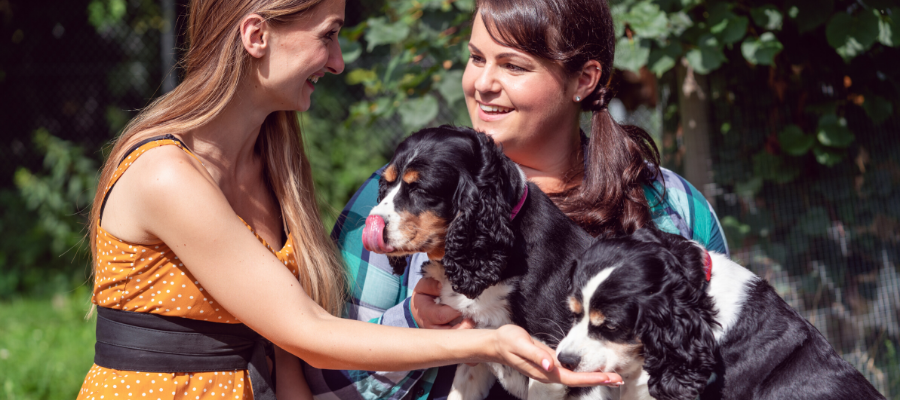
794 142
828 156
833 132
888 32
382 32
852 35
647 20
631 54
619 11
450 87
809 14
707 57
664 58
730 30
351 50
761 50
465 5
416 112
877 108
679 22
767 17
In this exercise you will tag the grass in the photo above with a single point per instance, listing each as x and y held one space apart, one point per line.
46 346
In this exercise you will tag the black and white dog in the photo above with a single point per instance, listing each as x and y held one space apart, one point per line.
677 323
500 247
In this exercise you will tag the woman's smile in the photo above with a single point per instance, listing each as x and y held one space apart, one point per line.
491 112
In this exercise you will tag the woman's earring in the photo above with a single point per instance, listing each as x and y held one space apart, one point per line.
577 98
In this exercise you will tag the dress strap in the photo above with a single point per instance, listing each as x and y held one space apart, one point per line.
132 154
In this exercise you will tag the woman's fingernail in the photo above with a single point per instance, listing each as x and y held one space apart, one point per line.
546 364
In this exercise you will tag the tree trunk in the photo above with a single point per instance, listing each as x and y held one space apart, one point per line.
693 98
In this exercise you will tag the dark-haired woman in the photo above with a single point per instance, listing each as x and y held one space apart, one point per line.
535 66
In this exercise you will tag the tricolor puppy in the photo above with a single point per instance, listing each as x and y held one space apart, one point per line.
501 249
677 323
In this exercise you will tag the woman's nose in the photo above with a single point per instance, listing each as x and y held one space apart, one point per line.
487 80
335 63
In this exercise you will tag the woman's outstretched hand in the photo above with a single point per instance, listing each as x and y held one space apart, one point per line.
516 348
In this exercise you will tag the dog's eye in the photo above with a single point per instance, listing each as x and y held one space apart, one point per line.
611 326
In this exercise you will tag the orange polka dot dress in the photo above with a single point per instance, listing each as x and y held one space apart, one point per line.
151 279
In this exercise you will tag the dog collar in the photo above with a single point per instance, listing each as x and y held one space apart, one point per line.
707 269
521 202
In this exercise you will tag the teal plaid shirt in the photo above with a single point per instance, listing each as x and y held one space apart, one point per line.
379 296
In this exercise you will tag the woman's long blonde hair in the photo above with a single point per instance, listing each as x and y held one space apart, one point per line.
214 65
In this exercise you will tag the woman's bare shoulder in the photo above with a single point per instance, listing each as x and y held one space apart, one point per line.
152 179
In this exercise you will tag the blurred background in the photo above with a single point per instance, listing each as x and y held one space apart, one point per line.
784 113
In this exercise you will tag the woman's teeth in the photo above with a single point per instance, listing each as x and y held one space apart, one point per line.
313 79
494 109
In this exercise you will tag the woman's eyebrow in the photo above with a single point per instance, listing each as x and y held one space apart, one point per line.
501 55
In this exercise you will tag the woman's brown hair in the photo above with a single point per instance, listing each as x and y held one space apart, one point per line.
213 66
619 159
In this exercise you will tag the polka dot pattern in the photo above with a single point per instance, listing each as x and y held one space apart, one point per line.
152 279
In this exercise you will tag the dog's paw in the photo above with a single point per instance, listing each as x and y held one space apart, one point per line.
548 391
471 383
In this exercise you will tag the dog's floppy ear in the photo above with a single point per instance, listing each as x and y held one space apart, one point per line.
480 235
676 328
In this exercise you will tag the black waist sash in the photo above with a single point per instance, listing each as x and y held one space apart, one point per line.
133 341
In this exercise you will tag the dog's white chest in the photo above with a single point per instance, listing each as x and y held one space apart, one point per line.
489 310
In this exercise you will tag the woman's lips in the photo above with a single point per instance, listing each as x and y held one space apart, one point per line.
492 112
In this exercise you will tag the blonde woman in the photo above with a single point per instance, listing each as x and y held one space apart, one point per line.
206 238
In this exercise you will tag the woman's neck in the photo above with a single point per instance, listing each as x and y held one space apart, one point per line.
555 164
226 144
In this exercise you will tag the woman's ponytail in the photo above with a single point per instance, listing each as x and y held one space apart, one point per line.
619 161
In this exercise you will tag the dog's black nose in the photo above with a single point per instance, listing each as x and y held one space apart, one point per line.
569 361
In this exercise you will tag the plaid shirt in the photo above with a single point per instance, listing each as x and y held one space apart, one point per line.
379 296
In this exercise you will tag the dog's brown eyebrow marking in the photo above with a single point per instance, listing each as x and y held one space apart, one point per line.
575 305
410 176
390 174
597 318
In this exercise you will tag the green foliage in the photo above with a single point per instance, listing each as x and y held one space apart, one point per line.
103 14
761 50
833 132
46 346
852 35
41 237
794 141
770 34
412 64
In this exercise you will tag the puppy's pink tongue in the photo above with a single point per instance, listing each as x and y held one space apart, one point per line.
373 235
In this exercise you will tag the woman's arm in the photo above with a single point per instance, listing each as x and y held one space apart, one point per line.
181 206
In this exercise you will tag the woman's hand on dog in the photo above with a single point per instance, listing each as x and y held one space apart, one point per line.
430 315
516 348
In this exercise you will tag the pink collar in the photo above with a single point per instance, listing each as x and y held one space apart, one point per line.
521 202
707 266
